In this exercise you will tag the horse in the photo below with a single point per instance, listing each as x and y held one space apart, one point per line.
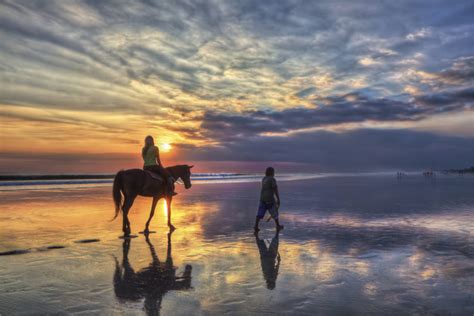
134 182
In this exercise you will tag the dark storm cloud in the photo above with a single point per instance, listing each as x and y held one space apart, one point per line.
460 72
352 108
356 150
448 101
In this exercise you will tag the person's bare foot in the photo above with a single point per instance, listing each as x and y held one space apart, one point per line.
280 227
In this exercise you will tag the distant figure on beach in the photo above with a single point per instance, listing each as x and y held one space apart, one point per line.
152 162
269 260
150 283
267 199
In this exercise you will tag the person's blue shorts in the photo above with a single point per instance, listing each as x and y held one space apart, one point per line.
263 207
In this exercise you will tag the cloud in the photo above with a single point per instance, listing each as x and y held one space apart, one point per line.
461 72
336 110
354 150
158 54
212 72
349 151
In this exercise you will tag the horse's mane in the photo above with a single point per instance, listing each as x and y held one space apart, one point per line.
176 167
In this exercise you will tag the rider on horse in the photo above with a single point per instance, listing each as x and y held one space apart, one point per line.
152 162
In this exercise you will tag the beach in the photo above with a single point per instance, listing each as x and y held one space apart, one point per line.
352 245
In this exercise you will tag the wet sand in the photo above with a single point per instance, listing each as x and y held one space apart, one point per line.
351 245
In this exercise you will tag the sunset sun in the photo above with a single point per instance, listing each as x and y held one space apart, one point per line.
165 147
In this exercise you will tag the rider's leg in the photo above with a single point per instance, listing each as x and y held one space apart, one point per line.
169 180
153 169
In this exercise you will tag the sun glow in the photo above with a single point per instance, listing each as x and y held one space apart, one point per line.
165 147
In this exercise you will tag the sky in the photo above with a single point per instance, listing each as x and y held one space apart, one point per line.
237 85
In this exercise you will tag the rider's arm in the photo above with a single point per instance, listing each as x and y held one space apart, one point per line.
157 153
158 161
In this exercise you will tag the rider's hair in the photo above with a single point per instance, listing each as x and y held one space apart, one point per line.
149 141
270 172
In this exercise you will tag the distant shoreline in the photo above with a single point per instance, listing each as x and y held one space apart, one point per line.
13 177
461 171
218 175
56 177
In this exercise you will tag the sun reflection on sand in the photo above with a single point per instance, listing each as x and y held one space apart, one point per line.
165 208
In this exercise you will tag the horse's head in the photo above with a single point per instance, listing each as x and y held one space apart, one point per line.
186 176
183 172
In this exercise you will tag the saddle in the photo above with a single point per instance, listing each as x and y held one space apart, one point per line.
155 176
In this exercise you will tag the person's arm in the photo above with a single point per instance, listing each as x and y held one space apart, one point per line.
275 189
157 154
165 172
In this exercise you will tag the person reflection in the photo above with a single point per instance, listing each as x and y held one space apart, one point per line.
152 282
269 260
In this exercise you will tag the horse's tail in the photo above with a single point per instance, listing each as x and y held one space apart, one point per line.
116 193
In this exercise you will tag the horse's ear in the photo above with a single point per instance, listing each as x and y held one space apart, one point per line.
190 166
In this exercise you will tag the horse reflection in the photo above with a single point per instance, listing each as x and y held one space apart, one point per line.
269 260
152 282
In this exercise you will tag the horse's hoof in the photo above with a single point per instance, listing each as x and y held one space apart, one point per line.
172 228
128 236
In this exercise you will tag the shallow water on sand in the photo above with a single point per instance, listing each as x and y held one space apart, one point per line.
351 245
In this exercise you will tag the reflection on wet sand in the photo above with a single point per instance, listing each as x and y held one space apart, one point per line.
269 259
150 283
350 247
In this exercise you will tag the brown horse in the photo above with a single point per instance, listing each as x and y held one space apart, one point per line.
134 182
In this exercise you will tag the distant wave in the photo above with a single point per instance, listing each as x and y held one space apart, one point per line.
32 182
8 182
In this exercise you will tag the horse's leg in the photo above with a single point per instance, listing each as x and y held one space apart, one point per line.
168 203
127 204
124 218
152 213
124 224
169 257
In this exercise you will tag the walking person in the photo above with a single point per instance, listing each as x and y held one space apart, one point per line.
267 199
